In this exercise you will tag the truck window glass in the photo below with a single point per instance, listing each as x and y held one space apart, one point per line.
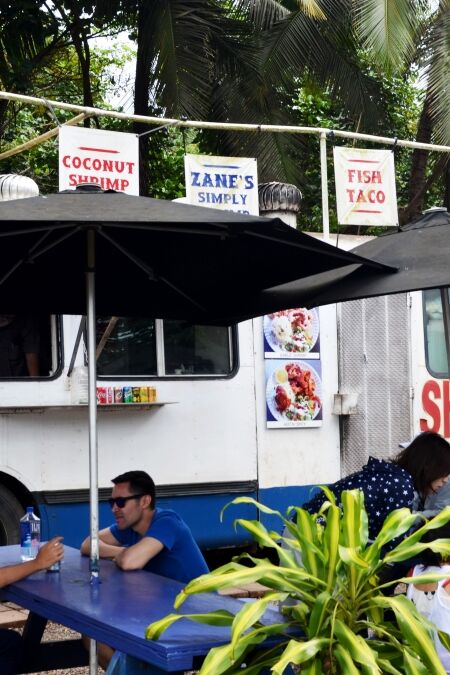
196 350
435 348
126 346
28 346
129 347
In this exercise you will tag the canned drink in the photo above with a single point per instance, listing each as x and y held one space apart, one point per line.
136 394
128 394
152 394
118 394
101 395
109 395
144 394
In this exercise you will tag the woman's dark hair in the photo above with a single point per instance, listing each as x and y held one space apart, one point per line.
425 459
429 557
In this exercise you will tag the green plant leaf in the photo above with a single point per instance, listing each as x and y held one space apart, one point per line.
413 666
299 652
445 639
219 617
351 557
251 613
345 661
412 626
358 648
249 500
319 614
331 542
260 534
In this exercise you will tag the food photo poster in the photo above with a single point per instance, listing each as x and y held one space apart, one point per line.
293 393
292 333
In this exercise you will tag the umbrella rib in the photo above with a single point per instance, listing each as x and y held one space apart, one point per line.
148 270
313 248
174 227
32 254
32 230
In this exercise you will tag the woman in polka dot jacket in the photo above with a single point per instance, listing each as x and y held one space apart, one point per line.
416 472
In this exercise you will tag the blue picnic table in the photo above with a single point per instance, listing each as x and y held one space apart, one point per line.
117 612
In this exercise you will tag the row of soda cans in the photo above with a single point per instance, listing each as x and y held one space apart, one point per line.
108 395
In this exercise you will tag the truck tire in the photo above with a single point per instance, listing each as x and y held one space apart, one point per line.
11 510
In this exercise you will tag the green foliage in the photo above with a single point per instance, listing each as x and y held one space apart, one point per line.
327 584
315 107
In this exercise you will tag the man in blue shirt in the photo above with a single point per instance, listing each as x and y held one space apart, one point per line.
145 537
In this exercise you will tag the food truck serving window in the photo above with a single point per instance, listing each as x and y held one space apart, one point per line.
435 304
29 346
143 347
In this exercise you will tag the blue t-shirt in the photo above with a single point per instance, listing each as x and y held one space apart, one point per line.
386 487
180 559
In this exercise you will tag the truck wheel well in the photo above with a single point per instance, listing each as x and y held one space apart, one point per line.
14 497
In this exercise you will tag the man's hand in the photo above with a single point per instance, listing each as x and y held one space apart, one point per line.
108 546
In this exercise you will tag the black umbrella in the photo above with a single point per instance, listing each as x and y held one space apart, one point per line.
145 257
420 251
153 257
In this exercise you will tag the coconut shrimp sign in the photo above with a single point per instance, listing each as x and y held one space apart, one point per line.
107 158
365 187
227 183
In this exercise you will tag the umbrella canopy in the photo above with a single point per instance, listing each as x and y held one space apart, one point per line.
152 257
420 251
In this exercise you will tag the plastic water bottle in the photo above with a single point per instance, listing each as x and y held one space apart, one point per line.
30 535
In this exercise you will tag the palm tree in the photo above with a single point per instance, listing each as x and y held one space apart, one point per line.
241 60
398 34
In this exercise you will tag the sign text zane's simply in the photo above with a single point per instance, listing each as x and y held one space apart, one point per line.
365 187
109 159
228 183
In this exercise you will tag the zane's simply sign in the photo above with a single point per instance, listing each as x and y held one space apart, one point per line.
228 183
365 187
108 158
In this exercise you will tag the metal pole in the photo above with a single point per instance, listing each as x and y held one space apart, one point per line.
230 126
93 449
324 186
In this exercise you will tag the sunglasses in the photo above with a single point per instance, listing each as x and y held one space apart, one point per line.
121 501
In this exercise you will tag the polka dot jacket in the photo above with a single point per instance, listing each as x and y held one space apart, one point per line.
386 487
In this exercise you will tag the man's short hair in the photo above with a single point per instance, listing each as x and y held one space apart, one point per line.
140 483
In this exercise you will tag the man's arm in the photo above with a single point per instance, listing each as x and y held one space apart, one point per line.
108 545
48 555
32 361
137 556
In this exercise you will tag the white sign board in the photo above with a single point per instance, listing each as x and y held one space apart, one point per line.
108 158
365 187
227 183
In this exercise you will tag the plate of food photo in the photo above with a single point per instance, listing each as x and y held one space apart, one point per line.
294 331
294 392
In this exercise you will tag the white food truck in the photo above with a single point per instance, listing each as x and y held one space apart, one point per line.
216 430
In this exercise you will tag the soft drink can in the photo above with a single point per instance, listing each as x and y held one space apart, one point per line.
144 394
152 394
136 394
128 394
109 395
101 395
118 394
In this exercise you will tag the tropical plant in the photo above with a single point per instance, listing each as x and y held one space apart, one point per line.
327 584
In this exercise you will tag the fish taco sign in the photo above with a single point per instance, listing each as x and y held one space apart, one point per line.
227 183
109 159
365 187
